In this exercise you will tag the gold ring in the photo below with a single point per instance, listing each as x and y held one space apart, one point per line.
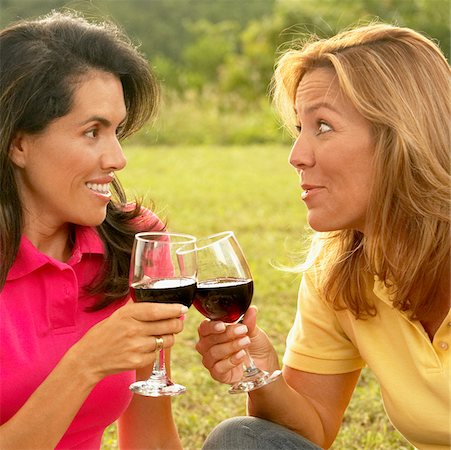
158 343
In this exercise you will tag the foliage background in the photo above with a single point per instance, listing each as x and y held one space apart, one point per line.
215 58
216 159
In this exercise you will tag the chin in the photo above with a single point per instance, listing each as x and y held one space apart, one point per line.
322 226
320 229
93 220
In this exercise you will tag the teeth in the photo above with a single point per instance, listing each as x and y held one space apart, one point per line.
102 188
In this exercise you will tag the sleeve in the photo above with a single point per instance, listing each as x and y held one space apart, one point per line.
316 342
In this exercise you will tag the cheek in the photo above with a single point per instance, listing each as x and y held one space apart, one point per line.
360 200
358 174
360 186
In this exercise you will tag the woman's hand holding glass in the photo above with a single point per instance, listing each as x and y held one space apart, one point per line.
224 348
161 273
224 293
212 272
125 340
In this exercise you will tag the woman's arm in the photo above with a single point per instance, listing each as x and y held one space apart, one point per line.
310 404
316 403
123 341
148 422
44 418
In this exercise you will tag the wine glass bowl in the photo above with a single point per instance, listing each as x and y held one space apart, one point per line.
224 292
164 290
162 272
225 299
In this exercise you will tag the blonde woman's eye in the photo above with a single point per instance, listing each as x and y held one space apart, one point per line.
323 128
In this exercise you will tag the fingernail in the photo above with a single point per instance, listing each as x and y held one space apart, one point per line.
184 309
240 354
244 341
242 329
219 326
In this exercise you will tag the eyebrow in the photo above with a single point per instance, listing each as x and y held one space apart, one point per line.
317 106
105 122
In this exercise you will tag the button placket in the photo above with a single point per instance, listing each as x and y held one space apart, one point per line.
62 298
443 337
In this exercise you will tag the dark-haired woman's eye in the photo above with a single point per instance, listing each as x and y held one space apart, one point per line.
92 133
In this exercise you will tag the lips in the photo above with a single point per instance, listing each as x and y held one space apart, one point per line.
309 190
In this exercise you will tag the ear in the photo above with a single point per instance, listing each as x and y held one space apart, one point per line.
17 150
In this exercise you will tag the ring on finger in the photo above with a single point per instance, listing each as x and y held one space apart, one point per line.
158 343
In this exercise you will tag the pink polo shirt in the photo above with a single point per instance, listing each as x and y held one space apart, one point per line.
42 314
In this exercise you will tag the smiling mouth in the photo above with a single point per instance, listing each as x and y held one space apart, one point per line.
103 189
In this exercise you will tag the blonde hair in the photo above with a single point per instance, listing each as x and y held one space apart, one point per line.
399 81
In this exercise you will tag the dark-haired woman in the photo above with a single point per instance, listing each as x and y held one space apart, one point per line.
71 339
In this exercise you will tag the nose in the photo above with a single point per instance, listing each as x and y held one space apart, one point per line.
301 154
113 157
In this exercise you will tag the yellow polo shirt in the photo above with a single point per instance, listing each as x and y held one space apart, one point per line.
413 372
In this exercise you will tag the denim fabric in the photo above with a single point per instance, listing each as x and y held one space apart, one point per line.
252 433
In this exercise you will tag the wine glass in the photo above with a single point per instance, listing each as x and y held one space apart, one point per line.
161 273
224 292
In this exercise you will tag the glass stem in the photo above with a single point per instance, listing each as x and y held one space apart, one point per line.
250 369
158 365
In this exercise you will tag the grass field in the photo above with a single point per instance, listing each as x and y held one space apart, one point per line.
252 191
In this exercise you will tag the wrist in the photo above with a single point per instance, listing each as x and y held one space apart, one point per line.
262 398
79 368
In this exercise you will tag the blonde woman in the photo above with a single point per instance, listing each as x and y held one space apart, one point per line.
372 111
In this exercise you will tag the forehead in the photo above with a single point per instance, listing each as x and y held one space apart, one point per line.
97 89
98 93
318 84
320 88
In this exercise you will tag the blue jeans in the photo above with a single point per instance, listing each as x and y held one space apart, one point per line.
252 433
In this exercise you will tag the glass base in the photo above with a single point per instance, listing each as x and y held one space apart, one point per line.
157 386
254 379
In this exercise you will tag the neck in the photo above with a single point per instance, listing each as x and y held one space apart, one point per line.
55 243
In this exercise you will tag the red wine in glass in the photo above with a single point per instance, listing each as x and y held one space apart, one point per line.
161 273
224 292
225 299
165 290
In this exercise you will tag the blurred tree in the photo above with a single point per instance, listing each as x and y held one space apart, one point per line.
208 51
162 26
228 47
247 73
249 70
228 41
431 17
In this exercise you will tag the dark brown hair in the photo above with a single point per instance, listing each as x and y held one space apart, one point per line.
40 62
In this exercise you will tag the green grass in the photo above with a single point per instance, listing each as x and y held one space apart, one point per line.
253 191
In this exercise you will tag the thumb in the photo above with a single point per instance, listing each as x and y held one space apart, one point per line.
250 320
